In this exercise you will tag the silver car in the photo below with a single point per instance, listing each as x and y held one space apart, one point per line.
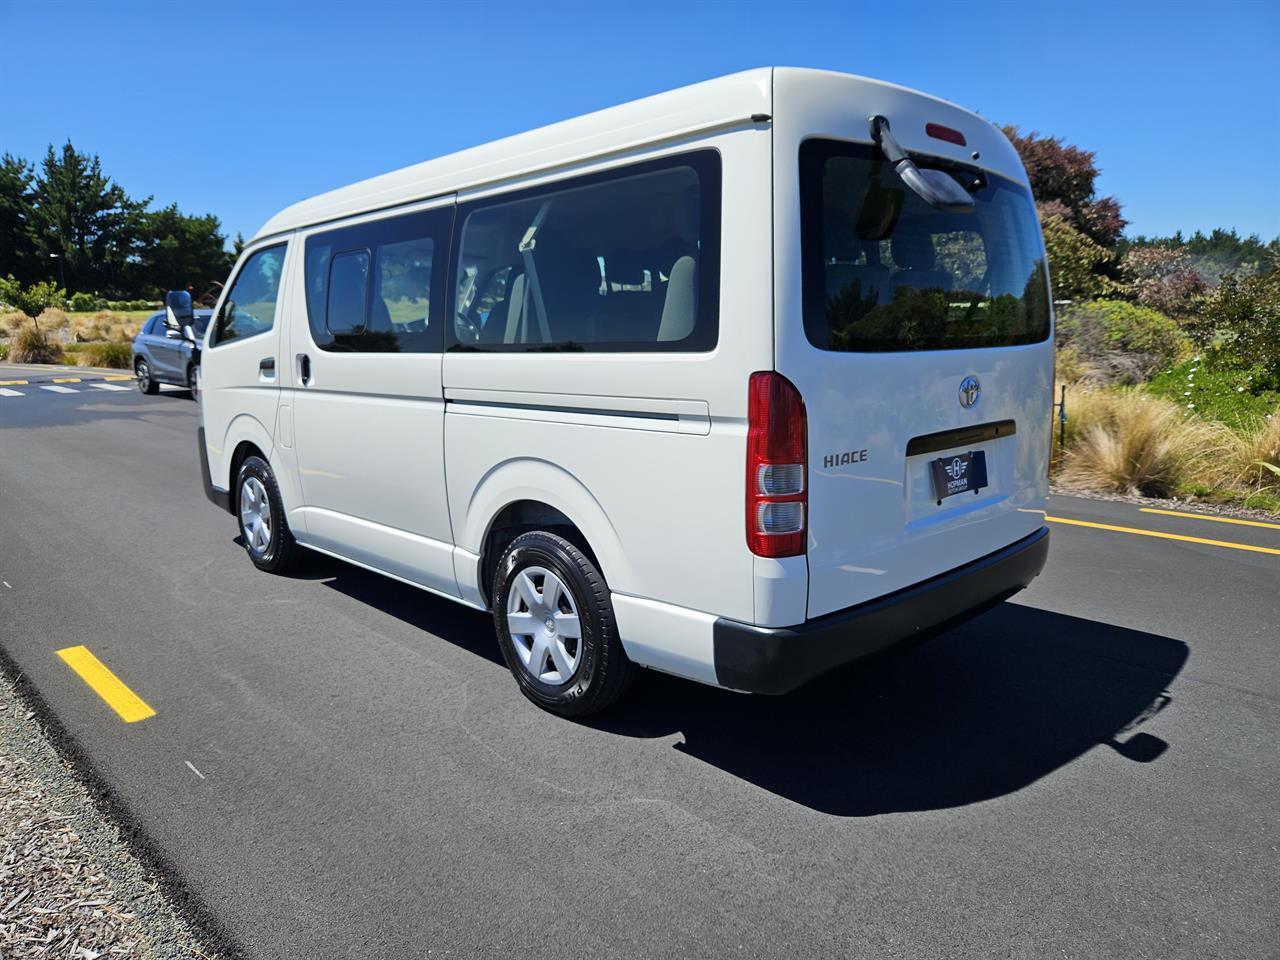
163 355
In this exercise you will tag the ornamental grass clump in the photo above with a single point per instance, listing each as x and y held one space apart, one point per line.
32 344
1128 441
1254 459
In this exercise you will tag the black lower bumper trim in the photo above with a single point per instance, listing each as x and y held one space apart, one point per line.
221 498
779 659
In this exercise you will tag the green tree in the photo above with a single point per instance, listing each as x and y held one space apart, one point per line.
1077 264
177 251
87 219
1061 173
31 300
17 200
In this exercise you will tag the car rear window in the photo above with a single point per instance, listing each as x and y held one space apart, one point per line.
884 271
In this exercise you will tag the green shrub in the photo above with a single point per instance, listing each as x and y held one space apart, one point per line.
1226 395
1239 328
4 351
118 356
125 305
1118 341
33 345
83 302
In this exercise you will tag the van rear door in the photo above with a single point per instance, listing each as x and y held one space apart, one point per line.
926 370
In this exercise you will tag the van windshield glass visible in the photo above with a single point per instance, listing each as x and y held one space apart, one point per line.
884 271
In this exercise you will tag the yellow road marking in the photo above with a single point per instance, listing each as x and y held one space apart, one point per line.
14 383
106 684
1205 516
66 379
121 377
1137 531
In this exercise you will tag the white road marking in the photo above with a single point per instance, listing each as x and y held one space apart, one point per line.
109 386
58 389
6 392
7 584
193 769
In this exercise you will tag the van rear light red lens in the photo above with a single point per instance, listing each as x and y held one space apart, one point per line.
776 467
939 132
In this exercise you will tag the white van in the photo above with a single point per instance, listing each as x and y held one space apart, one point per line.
741 382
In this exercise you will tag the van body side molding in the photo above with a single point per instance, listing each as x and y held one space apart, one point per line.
636 413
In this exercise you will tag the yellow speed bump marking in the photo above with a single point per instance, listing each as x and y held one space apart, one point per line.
106 684
1205 516
66 379
1137 531
119 377
14 383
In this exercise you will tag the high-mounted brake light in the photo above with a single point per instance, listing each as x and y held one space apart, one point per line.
939 132
777 498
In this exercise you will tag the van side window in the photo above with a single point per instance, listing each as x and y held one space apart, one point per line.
250 307
370 287
628 260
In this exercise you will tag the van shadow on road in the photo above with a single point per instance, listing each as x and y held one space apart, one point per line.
977 713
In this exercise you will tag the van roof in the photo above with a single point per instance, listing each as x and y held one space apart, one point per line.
724 102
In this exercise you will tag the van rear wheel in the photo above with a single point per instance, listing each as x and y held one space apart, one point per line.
260 510
556 628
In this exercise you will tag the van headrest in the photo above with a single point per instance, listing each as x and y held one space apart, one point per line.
913 250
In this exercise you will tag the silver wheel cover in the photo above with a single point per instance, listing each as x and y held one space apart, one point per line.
542 621
255 515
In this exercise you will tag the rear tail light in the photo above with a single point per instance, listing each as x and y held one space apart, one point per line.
777 499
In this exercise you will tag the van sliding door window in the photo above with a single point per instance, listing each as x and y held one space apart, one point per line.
884 271
370 287
627 260
250 307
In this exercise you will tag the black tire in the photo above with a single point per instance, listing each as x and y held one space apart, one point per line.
147 382
603 671
191 382
280 551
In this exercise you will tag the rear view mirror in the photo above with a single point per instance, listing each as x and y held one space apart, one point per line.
935 187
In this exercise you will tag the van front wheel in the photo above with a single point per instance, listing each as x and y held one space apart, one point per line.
555 625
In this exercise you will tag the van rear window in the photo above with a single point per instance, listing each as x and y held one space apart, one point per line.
884 271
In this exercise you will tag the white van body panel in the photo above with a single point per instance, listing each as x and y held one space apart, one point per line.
402 462
687 114
874 526
637 449
239 401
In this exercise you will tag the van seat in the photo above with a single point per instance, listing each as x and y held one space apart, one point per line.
680 309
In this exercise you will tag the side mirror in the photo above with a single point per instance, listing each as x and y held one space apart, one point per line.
178 313
171 333
936 188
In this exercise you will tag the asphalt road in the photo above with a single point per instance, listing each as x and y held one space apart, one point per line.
339 766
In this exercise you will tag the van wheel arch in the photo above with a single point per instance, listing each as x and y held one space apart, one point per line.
522 516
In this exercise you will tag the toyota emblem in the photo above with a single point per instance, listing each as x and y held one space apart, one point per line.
969 390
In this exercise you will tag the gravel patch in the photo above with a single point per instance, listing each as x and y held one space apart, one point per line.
71 884
1189 505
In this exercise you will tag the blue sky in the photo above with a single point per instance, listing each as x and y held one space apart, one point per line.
240 109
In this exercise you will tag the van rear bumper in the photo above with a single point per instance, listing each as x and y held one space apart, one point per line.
221 498
779 659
